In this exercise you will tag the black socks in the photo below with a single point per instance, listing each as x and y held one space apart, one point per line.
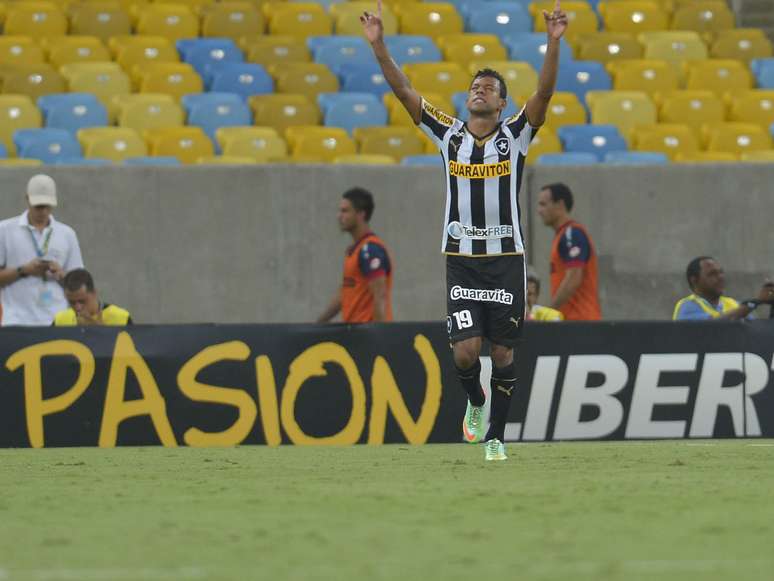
503 384
469 378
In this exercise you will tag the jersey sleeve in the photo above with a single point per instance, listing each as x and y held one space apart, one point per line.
435 123
373 261
574 248
521 130
690 311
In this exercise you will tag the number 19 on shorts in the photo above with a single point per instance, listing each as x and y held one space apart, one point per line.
463 319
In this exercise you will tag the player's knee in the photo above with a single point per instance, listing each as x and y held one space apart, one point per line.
465 356
501 356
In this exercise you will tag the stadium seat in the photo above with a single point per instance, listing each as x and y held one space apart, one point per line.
35 19
692 108
567 158
3 151
308 79
440 78
244 79
670 139
322 144
531 47
743 44
346 17
499 18
597 139
148 160
351 110
580 16
459 100
718 76
20 162
703 17
64 50
712 157
764 73
262 144
426 159
134 56
185 143
101 20
219 110
466 48
172 21
545 141
281 111
608 46
673 46
203 53
196 6
397 142
20 50
635 158
176 79
398 115
364 159
73 111
736 138
432 19
624 109
105 80
33 80
565 109
755 106
232 20
145 111
520 77
579 77
363 79
762 156
113 143
16 112
634 17
337 51
407 49
300 20
47 145
275 50
648 76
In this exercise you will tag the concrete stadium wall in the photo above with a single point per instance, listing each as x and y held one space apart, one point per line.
261 244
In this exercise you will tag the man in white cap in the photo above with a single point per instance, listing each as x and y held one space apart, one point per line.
36 252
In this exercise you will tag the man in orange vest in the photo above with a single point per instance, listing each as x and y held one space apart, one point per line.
573 257
366 289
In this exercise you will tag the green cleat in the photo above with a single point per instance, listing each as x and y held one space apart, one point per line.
495 450
473 424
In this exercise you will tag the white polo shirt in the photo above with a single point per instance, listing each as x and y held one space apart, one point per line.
31 300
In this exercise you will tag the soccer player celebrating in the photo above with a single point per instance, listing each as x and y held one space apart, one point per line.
483 241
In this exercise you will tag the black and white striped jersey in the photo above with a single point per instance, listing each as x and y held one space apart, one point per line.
483 178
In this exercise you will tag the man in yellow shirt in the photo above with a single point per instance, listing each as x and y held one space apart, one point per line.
536 312
85 307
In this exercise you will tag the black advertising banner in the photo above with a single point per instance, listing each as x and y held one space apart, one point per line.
223 385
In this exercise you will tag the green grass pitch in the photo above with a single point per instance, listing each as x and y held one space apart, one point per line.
568 511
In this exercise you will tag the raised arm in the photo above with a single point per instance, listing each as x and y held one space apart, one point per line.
537 105
400 85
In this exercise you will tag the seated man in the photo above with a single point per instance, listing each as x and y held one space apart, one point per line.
536 312
85 308
708 282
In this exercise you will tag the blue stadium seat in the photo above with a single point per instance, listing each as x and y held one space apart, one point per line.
72 111
596 139
461 111
95 161
531 47
406 49
500 18
336 51
568 158
763 69
148 160
636 158
194 99
212 113
351 110
244 79
581 76
432 159
757 65
464 7
202 53
47 145
363 78
3 151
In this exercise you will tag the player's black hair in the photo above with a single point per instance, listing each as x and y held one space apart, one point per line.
495 75
75 279
693 270
362 200
534 280
561 192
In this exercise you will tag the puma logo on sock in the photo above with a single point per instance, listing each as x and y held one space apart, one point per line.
505 390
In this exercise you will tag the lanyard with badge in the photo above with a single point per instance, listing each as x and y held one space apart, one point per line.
46 295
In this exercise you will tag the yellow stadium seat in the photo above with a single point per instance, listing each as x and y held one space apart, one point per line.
520 77
692 108
706 157
20 162
176 79
226 160
762 156
440 78
64 50
146 111
742 44
398 115
232 20
396 142
565 109
624 109
185 143
105 80
635 16
649 76
703 17
465 48
20 50
666 138
198 7
16 112
113 143
101 20
308 79
429 19
133 56
32 80
718 76
261 144
319 143
281 111
608 46
35 19
298 19
173 21
737 138
756 106
346 17
271 50
580 16
545 141
674 46
364 159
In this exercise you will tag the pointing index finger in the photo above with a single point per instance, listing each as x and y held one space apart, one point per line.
557 7
379 8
